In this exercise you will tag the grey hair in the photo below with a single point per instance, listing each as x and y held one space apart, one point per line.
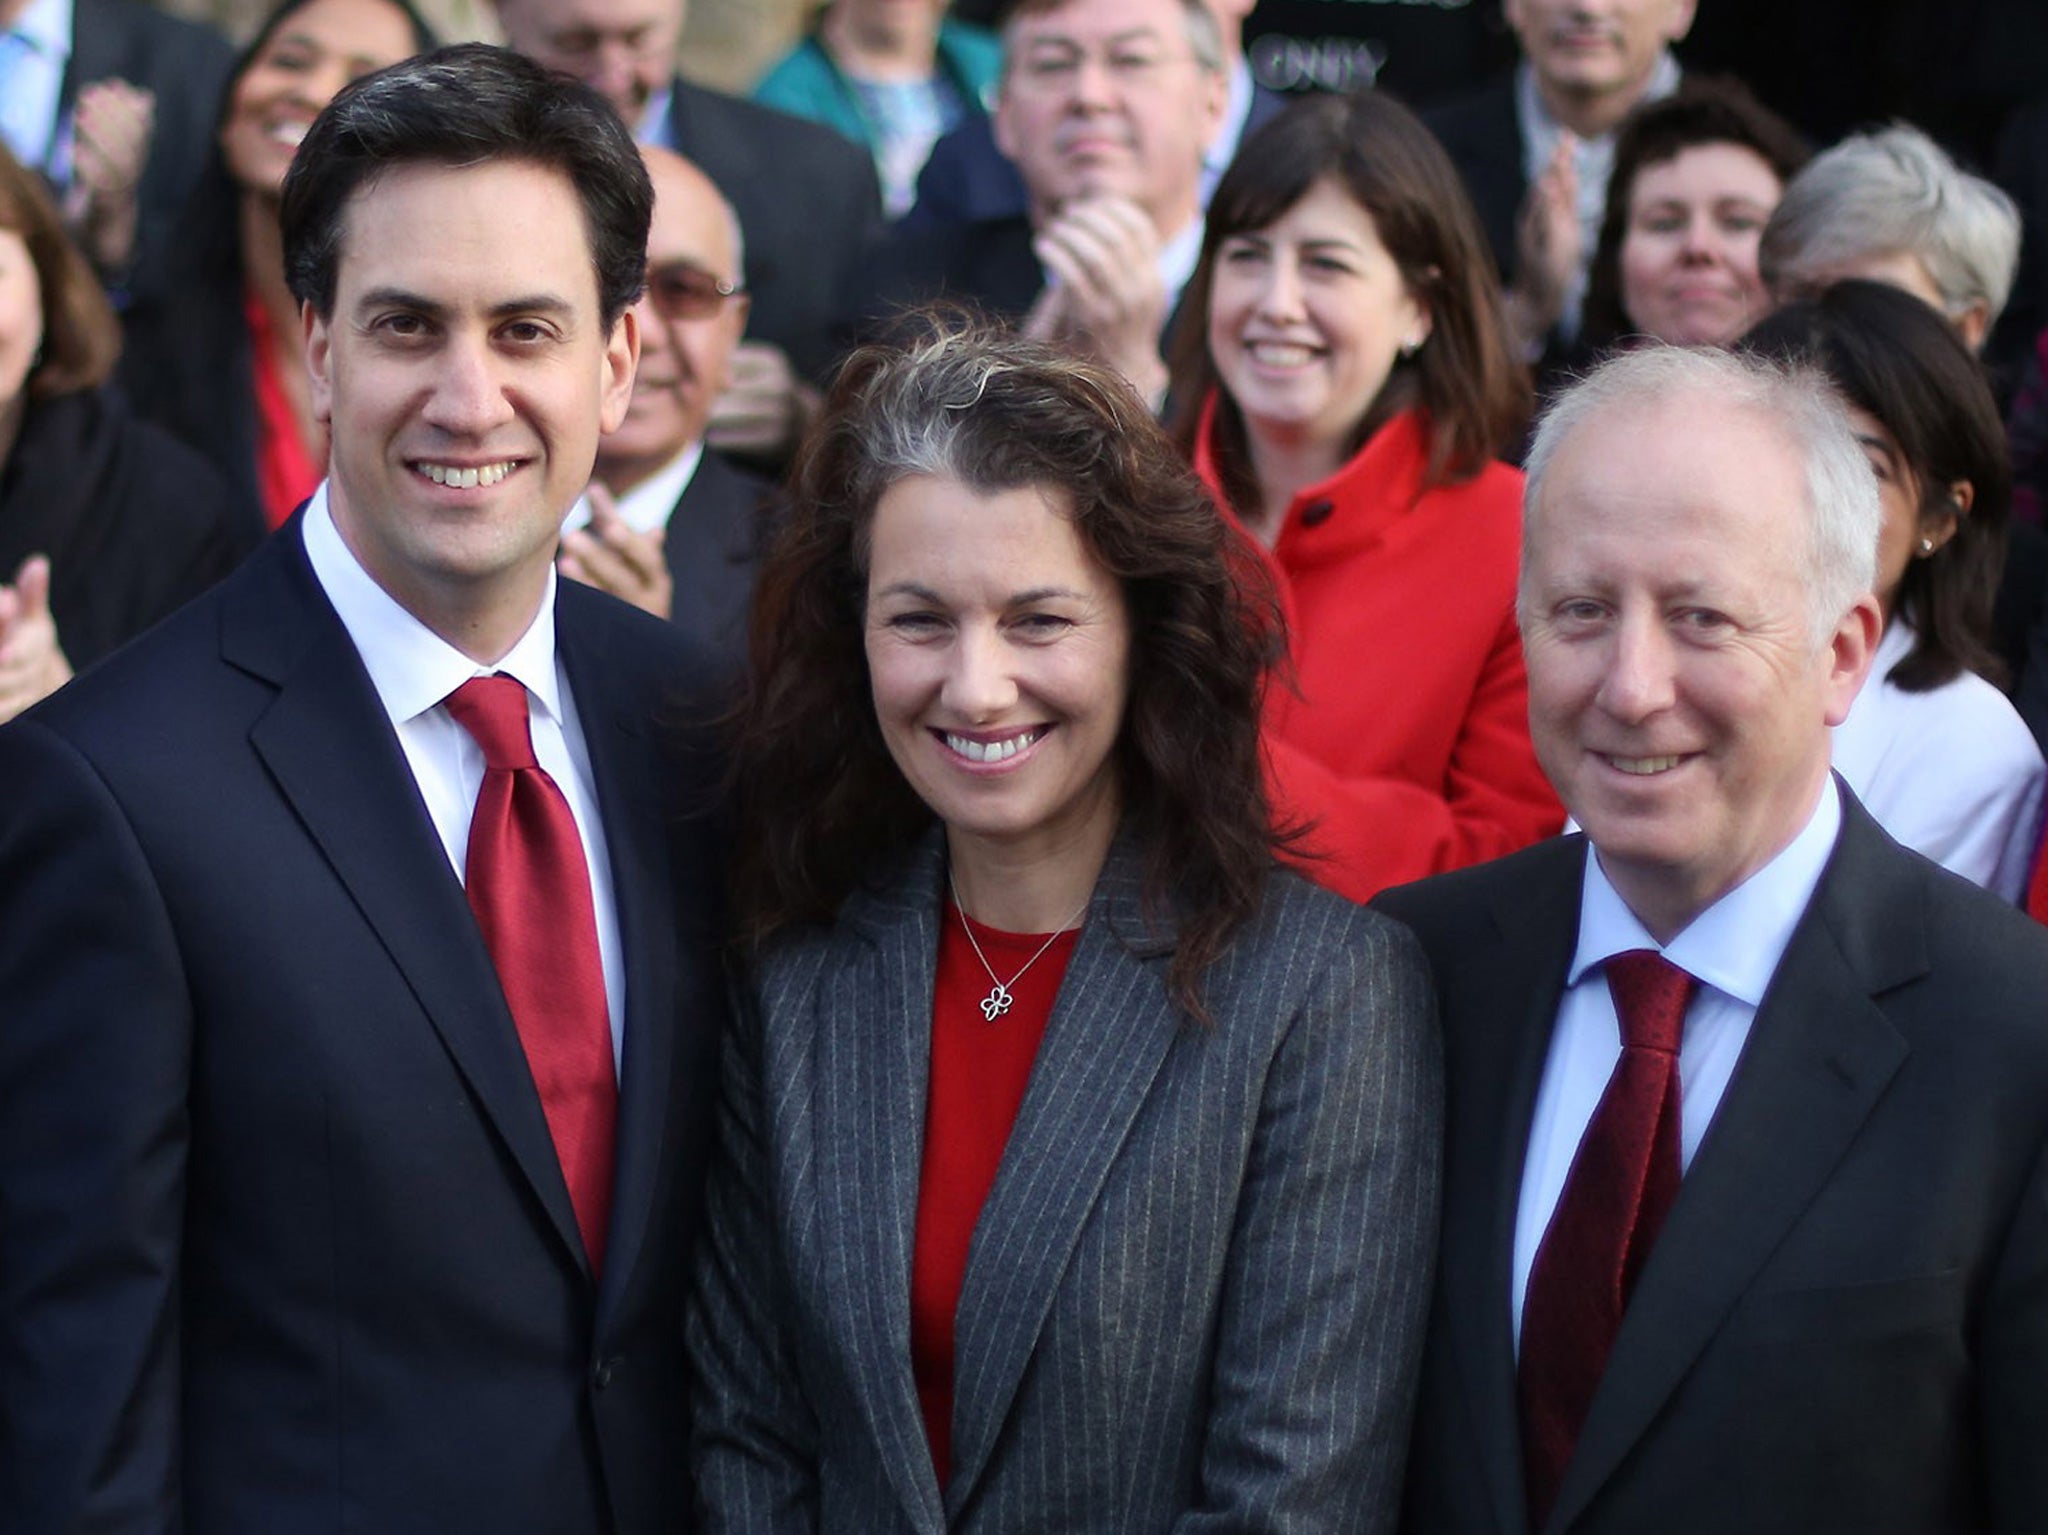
1896 192
1204 34
919 415
1843 512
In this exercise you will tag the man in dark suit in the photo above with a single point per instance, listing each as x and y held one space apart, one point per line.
356 937
673 528
807 199
1105 108
1746 1191
967 179
118 114
1535 146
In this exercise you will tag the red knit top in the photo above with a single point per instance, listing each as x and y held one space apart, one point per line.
978 1075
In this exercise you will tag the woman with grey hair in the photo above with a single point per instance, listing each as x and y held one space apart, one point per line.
1893 207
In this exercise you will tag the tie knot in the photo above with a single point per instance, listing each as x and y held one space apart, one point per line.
1650 994
493 711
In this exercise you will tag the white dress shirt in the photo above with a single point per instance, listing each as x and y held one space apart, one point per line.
413 670
1237 110
1953 773
647 507
1732 948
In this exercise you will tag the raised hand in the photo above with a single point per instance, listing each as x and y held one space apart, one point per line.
32 664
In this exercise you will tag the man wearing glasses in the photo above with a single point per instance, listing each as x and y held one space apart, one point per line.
1106 108
668 525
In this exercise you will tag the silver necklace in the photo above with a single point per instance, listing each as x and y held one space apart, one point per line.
999 1000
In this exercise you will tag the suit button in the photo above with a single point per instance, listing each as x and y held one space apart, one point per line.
1316 513
601 1377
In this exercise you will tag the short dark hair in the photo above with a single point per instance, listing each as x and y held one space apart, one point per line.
81 337
1464 378
1705 109
1897 359
460 106
822 802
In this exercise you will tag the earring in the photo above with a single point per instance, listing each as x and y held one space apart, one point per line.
1410 347
1926 547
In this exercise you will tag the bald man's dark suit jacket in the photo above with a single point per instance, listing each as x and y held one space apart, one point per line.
712 547
285 1248
1843 1327
808 206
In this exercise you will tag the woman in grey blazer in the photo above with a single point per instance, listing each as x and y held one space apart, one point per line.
1078 1166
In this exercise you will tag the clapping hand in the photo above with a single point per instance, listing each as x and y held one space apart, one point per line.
613 556
112 127
32 664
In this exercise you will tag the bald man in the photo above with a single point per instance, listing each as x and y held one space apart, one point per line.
671 526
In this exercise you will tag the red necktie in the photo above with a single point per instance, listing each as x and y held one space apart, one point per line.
1620 1188
530 890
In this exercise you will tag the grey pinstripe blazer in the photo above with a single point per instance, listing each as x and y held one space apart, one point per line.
1196 1294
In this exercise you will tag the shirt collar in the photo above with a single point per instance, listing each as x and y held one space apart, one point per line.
654 126
1540 129
411 667
1735 944
649 505
1237 108
1177 258
46 27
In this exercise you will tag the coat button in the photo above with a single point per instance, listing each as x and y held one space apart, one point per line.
601 1377
1316 513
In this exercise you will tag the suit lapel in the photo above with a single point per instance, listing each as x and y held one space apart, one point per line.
329 745
873 1062
1820 1054
1516 992
625 767
1108 1035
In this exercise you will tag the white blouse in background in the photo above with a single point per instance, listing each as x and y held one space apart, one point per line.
1953 773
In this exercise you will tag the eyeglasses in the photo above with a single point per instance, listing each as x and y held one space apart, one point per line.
680 291
1056 64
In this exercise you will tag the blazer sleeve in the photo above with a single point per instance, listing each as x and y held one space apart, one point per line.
753 1439
95 1046
1377 831
1326 1289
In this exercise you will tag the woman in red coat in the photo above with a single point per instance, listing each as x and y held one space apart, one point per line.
1345 400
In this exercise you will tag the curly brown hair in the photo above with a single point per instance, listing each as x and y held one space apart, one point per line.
821 801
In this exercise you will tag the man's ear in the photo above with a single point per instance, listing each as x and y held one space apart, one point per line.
621 358
319 363
1851 649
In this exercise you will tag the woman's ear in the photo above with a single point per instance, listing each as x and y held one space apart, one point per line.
1938 523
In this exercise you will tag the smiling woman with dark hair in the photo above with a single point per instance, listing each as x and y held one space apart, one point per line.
1695 178
1074 1156
221 363
1343 385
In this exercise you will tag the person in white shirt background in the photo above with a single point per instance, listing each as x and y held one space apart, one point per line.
1932 747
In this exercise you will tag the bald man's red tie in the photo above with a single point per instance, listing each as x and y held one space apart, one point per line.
1621 1185
530 889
